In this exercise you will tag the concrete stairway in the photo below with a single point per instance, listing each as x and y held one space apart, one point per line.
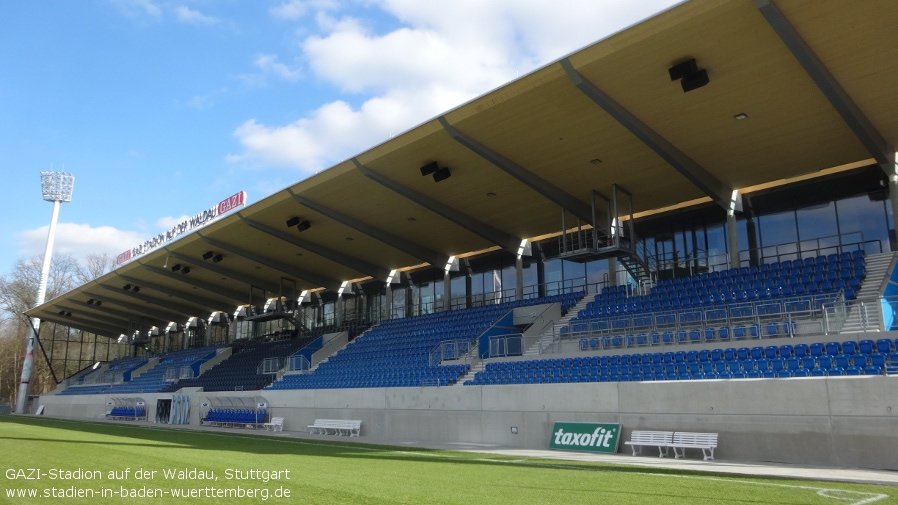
548 336
870 291
545 339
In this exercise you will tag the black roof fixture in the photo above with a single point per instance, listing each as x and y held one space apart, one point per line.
430 168
689 75
441 174
433 168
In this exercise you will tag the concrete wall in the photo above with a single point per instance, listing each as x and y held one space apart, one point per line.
839 422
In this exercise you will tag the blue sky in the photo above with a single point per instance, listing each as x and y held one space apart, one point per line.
162 108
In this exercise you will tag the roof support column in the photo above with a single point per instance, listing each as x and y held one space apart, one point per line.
519 279
892 172
732 232
733 238
339 306
447 291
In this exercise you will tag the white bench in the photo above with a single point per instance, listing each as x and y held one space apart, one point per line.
660 439
683 440
276 424
336 427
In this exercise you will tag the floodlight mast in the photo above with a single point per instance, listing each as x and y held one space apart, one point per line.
56 187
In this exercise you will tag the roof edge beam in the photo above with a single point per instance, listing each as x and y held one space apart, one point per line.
869 136
422 253
356 264
89 318
477 227
548 190
82 324
686 166
320 280
200 301
111 313
236 298
179 310
97 329
162 314
224 272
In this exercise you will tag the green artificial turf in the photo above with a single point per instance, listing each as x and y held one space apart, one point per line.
146 460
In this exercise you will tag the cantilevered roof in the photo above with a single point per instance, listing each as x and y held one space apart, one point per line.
814 79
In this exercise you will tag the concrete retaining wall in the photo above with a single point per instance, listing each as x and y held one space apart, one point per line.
839 422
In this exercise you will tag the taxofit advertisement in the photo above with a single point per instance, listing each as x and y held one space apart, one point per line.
591 437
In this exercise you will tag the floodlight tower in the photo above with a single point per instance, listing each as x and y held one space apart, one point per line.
57 188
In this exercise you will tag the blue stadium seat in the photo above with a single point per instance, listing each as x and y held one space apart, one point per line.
833 348
849 347
884 345
866 346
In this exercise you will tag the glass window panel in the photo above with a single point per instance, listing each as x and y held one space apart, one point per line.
553 275
776 229
717 245
817 228
859 217
596 275
530 280
509 282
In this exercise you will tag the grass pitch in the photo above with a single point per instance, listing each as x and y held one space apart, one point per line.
50 461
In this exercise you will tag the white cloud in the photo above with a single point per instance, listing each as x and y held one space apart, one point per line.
80 240
292 10
269 63
442 55
137 8
165 223
185 14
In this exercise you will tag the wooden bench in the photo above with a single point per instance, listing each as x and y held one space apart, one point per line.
660 439
683 440
276 424
336 427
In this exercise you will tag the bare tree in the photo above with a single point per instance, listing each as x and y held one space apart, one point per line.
18 292
95 265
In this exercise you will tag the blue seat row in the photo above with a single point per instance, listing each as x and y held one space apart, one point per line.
235 416
791 360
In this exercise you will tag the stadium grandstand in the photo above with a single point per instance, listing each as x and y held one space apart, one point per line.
687 226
